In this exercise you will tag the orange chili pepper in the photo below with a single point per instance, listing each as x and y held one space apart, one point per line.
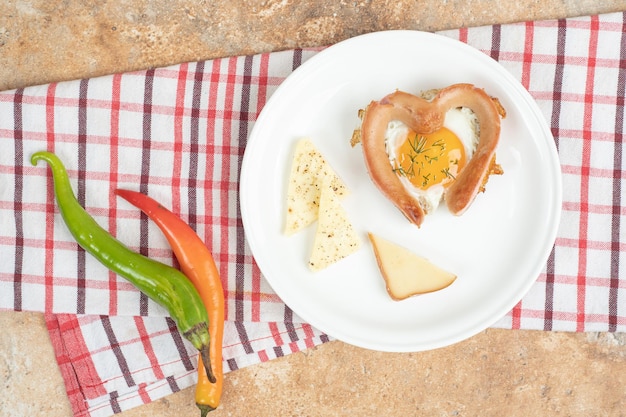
198 265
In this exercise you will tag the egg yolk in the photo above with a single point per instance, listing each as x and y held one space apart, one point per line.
430 159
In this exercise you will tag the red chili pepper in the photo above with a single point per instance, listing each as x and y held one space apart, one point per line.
198 265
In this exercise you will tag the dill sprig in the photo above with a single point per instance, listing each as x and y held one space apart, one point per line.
421 153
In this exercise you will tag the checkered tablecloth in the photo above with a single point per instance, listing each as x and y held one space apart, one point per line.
178 133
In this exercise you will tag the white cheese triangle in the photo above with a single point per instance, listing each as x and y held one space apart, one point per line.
406 273
308 169
335 237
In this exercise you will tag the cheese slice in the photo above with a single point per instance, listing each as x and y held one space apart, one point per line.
308 170
406 273
335 237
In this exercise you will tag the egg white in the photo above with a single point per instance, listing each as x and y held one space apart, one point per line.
462 122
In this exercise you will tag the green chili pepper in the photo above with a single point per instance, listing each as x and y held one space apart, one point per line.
164 284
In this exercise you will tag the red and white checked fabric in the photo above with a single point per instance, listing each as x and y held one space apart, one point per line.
113 363
178 133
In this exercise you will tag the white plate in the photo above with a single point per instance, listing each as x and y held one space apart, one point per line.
497 248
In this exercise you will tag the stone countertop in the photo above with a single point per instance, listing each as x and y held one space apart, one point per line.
495 373
44 41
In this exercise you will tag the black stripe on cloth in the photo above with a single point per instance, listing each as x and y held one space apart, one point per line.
617 183
288 318
549 296
232 364
297 59
557 95
117 351
180 344
115 405
18 162
194 145
243 337
240 275
145 174
278 351
554 127
81 192
496 36
171 381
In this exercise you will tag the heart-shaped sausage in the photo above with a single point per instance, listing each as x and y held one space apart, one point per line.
424 116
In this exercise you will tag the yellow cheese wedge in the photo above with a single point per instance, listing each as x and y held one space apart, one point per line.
308 169
335 237
406 273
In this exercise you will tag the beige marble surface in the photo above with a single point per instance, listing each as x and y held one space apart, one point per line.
496 373
51 40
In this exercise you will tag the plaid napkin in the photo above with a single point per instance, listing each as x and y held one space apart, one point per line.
178 133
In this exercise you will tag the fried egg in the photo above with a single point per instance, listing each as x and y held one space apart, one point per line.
427 163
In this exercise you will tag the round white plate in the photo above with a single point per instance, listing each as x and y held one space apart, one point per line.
497 248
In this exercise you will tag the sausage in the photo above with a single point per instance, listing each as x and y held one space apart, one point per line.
426 116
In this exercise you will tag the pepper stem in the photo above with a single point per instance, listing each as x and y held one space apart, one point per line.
199 337
206 360
204 409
